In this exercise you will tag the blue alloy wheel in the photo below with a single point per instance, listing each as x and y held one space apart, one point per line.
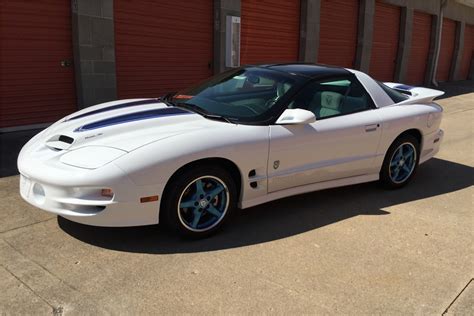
403 163
203 203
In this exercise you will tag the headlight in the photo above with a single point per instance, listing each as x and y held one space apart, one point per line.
91 157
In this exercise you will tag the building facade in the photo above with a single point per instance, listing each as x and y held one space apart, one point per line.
58 56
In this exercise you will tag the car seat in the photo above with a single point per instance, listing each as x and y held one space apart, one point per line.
326 103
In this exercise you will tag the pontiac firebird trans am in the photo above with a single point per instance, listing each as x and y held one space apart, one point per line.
242 138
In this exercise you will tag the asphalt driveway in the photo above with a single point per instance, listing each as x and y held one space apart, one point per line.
352 250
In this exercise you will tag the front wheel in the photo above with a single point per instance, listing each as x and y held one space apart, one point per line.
199 201
400 163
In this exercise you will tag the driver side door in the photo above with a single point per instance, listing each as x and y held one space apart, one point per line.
341 143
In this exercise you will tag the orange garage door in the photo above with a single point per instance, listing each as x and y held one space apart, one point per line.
35 37
448 36
338 32
269 31
161 46
468 51
420 47
385 41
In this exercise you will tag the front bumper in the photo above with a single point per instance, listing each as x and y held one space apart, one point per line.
76 196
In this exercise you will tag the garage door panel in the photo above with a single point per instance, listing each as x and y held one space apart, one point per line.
162 46
468 51
338 32
448 36
385 41
269 31
35 37
25 112
419 48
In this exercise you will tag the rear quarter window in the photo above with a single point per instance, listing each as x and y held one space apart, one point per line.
393 94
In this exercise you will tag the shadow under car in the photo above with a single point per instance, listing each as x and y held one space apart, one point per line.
285 217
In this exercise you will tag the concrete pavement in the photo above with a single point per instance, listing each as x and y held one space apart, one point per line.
352 250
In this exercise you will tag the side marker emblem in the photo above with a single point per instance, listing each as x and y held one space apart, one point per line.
276 164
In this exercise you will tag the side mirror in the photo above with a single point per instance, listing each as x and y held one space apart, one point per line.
296 116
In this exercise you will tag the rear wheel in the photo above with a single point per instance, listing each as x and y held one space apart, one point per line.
199 201
400 163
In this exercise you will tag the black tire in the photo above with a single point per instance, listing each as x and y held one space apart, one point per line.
177 219
388 171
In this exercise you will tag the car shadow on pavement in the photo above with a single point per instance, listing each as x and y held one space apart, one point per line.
285 217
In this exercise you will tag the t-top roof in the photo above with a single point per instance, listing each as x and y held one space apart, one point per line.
308 70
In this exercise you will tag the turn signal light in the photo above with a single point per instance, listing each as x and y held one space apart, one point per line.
107 193
146 199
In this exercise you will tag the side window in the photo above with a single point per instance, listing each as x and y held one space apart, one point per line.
357 99
392 93
333 98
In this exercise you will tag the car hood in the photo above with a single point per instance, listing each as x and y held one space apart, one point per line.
125 125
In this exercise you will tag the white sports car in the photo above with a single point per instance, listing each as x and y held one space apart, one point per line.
242 138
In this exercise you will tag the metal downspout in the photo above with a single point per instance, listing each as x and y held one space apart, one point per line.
442 5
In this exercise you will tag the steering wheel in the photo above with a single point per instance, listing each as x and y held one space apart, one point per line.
271 101
280 91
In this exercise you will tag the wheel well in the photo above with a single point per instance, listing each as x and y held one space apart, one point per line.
226 164
413 132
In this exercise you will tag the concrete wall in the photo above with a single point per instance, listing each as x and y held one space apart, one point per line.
404 44
459 12
94 51
309 30
364 35
453 9
222 8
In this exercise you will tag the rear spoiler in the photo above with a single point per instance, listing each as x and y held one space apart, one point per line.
415 94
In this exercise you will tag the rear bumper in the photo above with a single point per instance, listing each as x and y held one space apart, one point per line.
431 145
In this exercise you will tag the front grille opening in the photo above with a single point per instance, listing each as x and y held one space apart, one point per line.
66 139
82 209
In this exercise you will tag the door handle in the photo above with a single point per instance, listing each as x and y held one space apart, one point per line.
371 127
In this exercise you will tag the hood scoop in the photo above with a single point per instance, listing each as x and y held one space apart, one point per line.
60 142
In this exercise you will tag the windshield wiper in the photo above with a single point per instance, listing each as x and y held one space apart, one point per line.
188 106
191 107
199 110
218 117
194 108
166 99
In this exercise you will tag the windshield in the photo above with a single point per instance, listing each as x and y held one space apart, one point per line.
244 94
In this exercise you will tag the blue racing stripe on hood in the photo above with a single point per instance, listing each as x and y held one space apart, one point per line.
132 117
114 107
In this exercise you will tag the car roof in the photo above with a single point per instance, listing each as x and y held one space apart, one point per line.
307 69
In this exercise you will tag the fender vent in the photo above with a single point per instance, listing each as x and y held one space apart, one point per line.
253 184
